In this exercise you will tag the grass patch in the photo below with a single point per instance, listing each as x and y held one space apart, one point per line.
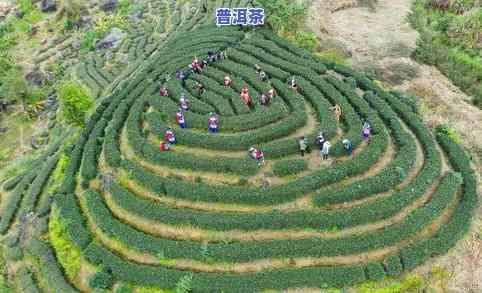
289 167
17 137
153 290
4 286
409 284
334 55
67 253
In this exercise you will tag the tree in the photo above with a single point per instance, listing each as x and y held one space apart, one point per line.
284 15
74 103
306 40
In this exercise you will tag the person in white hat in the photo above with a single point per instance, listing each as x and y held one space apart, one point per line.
257 155
347 144
320 140
180 119
325 151
184 102
213 123
169 136
303 145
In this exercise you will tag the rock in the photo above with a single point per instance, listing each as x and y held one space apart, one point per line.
136 16
35 77
5 8
34 143
19 14
50 103
60 55
112 40
3 106
109 5
76 44
34 30
50 77
48 5
44 133
85 20
52 115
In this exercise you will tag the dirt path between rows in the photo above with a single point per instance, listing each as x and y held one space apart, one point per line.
269 263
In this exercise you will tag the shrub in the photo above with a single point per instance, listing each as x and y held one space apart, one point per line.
243 181
128 289
26 6
289 167
393 265
13 254
11 205
74 103
48 268
307 41
375 271
67 253
12 182
333 55
447 130
184 285
72 219
284 15
36 188
14 87
101 280
25 281
59 172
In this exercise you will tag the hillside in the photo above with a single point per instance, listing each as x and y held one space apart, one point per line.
97 206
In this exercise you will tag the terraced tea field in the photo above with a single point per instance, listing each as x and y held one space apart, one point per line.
206 214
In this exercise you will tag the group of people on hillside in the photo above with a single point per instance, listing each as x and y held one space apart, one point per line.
325 145
256 154
197 65
169 140
264 99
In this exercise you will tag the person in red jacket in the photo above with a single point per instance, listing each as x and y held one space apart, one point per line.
163 92
180 119
164 147
257 155
247 100
196 65
169 136
246 97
